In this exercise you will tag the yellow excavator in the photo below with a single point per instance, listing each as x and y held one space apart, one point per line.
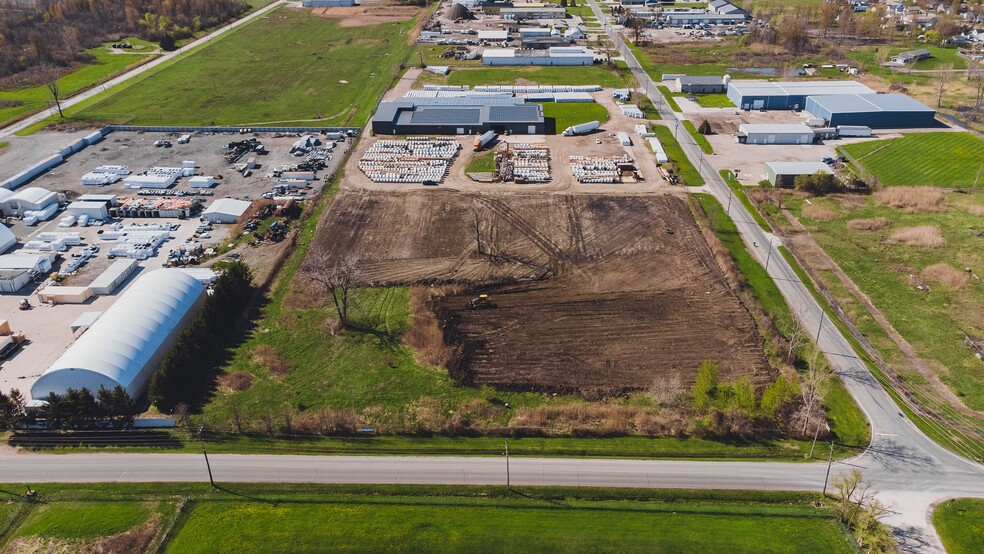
482 302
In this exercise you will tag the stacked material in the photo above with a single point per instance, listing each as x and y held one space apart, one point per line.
589 169
415 160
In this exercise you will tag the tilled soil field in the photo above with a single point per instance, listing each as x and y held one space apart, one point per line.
595 294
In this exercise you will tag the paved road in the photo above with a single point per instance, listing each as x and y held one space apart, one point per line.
85 95
910 469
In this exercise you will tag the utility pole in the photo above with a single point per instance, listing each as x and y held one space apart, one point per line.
820 326
201 437
768 256
728 210
508 481
830 458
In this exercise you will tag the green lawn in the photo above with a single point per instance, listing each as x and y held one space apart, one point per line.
960 524
84 520
934 159
674 152
287 67
700 139
935 322
483 163
401 524
847 422
670 101
572 113
105 66
739 191
714 101
543 75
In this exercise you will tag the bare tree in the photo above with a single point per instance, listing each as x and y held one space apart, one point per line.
237 417
828 14
943 77
52 87
334 277
636 24
854 500
975 75
607 46
817 374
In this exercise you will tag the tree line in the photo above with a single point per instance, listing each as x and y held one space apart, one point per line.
76 409
187 372
39 43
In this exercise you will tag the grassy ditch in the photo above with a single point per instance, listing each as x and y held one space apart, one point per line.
668 96
686 170
739 191
385 518
700 139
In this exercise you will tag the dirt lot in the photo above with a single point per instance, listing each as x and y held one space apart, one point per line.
137 151
593 293
368 13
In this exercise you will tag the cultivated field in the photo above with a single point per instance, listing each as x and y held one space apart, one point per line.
289 66
141 518
934 159
601 294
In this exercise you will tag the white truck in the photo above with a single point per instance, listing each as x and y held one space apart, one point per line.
581 128
481 141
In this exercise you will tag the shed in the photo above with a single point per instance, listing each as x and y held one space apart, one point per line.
54 294
795 133
496 36
201 182
94 210
114 275
125 345
12 280
657 147
623 138
38 263
226 210
28 199
782 174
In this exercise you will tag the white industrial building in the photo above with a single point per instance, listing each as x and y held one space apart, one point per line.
558 55
125 345
493 36
225 210
794 133
113 276
7 238
327 3
27 200
17 270
90 209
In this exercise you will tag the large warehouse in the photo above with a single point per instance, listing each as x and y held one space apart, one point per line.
407 117
769 133
556 55
128 342
765 95
878 111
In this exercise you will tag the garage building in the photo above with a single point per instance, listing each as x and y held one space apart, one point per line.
125 345
226 210
93 210
878 111
409 117
701 85
794 133
29 199
557 55
783 174
765 95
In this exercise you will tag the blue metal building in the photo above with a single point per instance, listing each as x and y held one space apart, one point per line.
766 95
878 111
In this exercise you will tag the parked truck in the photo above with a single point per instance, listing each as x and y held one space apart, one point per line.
483 140
581 128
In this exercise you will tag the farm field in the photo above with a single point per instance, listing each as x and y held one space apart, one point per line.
385 518
24 101
923 159
960 523
572 246
541 75
568 114
315 70
891 252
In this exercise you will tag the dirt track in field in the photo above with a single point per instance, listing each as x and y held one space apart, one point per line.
596 293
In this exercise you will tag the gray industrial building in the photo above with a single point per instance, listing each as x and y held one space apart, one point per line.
701 84
408 117
783 174
327 3
557 55
679 19
794 133
766 95
878 111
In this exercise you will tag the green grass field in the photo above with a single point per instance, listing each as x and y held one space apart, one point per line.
104 67
668 96
700 139
933 159
674 152
483 163
960 524
714 101
739 192
846 420
934 322
285 68
572 113
84 520
543 75
398 518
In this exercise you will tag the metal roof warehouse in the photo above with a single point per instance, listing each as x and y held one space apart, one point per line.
410 118
878 111
783 174
765 95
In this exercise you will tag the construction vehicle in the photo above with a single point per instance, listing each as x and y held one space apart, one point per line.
24 305
482 302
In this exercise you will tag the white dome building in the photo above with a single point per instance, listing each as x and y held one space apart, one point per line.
125 345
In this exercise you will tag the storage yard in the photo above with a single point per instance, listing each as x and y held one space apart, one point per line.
618 271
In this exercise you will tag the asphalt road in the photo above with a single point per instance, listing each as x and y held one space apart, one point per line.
911 471
87 94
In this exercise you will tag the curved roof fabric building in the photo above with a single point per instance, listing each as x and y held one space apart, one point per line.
125 345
